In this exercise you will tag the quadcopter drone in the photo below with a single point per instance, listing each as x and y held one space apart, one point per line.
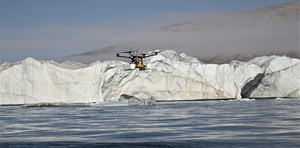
137 59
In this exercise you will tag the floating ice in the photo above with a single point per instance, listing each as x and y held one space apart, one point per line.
54 104
130 102
243 99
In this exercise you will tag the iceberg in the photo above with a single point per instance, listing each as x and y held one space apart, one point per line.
172 77
281 78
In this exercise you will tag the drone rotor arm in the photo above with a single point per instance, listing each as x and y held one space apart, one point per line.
151 55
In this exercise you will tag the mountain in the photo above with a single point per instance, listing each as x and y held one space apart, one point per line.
245 19
220 39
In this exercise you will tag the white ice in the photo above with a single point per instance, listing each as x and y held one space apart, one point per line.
172 77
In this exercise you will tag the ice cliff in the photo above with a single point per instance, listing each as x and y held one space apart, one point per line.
172 77
281 78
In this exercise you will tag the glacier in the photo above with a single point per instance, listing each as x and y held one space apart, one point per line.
172 77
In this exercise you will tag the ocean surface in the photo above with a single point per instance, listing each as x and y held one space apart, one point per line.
226 123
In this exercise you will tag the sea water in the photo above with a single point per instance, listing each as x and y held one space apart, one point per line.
243 123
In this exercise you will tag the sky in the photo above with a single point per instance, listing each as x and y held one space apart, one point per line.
49 29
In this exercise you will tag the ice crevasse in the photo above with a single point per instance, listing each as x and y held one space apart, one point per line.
172 77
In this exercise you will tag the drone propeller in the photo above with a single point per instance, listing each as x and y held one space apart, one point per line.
129 51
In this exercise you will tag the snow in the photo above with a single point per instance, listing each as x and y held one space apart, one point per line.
172 77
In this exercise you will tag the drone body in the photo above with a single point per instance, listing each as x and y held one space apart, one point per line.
137 60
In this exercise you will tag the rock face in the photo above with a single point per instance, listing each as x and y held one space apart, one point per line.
172 77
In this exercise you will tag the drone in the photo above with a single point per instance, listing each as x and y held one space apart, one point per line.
137 59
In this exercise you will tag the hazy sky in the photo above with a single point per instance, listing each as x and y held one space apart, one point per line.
48 29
